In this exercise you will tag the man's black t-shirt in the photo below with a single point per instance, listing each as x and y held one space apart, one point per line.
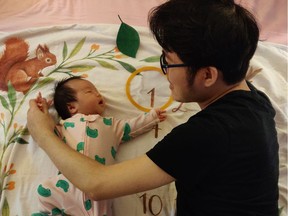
224 158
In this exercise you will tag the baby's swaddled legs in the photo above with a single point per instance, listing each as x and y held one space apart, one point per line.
58 196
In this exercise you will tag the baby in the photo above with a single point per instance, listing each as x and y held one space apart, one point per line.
83 128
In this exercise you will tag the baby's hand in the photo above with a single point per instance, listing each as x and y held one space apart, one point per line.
161 114
39 101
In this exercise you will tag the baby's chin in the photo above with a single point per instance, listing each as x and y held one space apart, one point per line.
102 110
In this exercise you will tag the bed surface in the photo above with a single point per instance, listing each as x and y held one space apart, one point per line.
76 30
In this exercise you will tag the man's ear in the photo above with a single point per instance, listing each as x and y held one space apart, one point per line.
72 107
210 76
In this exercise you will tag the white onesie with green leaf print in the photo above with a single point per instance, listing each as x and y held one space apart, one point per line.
98 138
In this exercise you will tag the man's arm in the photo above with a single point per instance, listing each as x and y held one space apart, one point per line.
96 180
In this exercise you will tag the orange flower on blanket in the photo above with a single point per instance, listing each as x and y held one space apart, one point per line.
10 185
74 70
95 47
84 75
120 56
6 172
10 171
17 129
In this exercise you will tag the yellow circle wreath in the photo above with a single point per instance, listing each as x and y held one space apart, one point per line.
143 69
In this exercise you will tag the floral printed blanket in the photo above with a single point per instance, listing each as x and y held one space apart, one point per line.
33 60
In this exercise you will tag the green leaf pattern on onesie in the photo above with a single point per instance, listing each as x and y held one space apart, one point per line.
93 133
88 204
107 121
113 152
80 146
127 131
69 124
45 192
63 184
100 160
57 211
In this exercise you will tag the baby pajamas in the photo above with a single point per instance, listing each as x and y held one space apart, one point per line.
98 138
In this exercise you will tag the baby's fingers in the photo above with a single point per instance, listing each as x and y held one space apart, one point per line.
162 117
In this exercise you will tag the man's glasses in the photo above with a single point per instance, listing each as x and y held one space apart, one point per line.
164 65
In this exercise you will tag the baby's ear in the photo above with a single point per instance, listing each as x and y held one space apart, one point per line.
72 107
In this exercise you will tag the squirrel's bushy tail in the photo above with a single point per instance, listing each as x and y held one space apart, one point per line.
16 50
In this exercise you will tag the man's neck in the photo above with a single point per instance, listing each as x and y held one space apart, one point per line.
220 93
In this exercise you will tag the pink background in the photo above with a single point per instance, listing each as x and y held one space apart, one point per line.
16 15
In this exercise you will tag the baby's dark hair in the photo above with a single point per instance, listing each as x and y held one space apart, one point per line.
64 95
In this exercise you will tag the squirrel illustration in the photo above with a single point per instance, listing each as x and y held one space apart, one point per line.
21 72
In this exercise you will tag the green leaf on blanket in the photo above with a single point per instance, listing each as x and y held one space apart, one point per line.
80 68
65 51
11 95
152 59
128 39
43 82
20 140
127 66
106 64
24 132
4 102
77 48
5 209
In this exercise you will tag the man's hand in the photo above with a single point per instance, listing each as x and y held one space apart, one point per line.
39 122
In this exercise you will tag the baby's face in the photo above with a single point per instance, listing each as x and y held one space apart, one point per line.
89 100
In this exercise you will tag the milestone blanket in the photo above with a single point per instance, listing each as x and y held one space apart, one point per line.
131 83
